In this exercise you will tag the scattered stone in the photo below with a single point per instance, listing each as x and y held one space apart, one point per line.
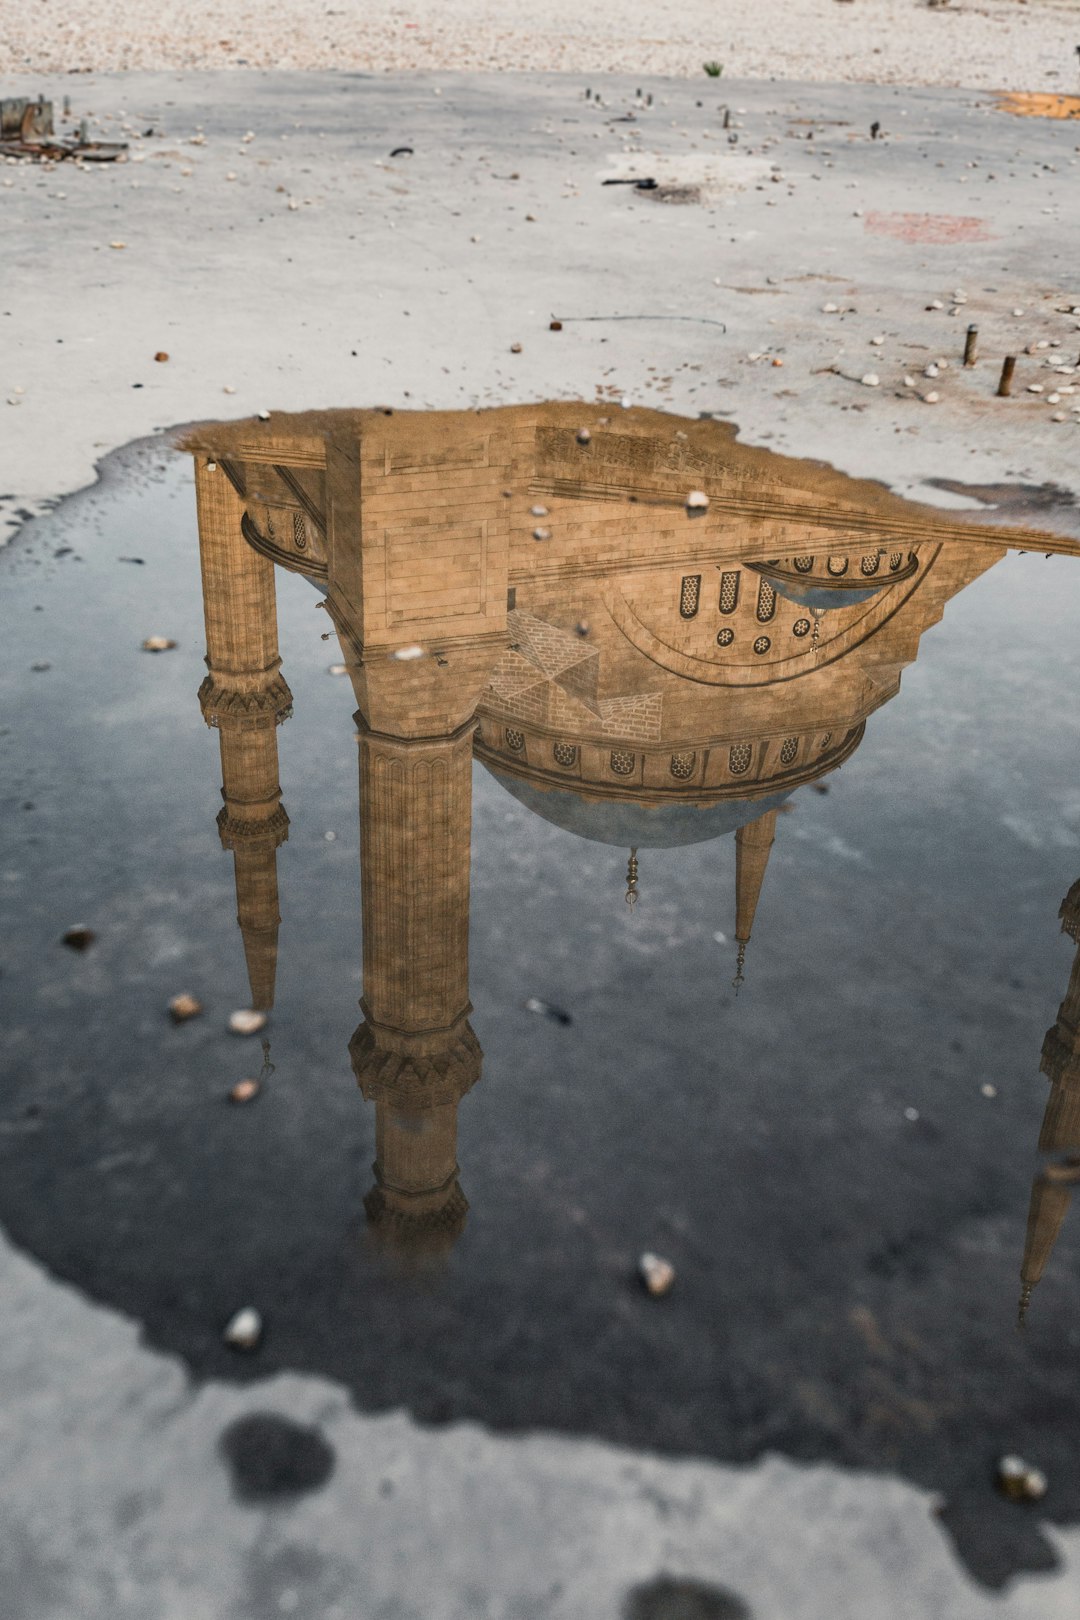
931 370
1035 388
158 644
244 1330
871 380
183 1007
909 382
1018 312
830 309
931 398
583 435
877 342
935 303
515 348
697 501
541 534
582 627
264 416
911 1114
546 1010
1059 416
987 1089
244 1091
161 356
657 1274
79 937
1020 1482
118 244
555 326
247 1021
538 511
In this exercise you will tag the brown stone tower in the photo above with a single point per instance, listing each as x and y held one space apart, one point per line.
753 844
1051 1191
245 697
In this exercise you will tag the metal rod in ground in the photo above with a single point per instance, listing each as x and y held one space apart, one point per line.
971 346
1004 386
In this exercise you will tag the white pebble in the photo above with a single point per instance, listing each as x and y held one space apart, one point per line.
1034 388
930 370
871 380
246 1021
1018 312
657 1274
877 342
935 303
987 1089
911 1113
909 382
830 309
931 398
244 1330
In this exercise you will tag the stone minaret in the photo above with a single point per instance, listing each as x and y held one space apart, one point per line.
245 697
1051 1191
752 845
415 1055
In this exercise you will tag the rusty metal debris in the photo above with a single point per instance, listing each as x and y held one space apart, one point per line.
26 131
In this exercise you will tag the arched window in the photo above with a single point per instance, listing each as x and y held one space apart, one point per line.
622 763
870 564
739 757
690 595
515 740
299 531
729 591
837 566
682 766
766 602
788 749
803 565
565 754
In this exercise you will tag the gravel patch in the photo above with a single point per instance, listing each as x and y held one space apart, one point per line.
1005 44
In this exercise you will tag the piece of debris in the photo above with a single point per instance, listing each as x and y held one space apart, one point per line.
244 1330
988 1089
118 245
26 131
40 668
657 1274
515 348
181 1008
555 326
583 435
402 151
79 937
535 1005
158 644
247 1021
1020 1482
161 356
244 1091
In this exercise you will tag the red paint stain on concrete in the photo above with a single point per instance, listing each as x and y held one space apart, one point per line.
930 227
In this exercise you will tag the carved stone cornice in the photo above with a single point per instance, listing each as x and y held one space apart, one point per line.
239 710
415 1081
1061 1059
270 832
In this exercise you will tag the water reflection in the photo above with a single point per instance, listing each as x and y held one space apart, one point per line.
649 634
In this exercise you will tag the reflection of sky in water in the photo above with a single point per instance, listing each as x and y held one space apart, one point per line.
906 951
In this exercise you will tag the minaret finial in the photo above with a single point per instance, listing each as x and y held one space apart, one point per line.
740 963
817 613
632 879
1025 1301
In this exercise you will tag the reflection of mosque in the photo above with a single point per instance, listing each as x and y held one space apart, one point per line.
529 586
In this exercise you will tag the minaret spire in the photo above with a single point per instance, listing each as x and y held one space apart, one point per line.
752 845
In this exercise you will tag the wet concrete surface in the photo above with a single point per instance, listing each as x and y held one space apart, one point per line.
846 1274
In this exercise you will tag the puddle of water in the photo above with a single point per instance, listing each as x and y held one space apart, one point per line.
823 739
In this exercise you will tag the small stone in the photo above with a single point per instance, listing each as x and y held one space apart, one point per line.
931 370
541 534
181 1008
515 348
79 937
118 244
830 309
538 511
877 342
911 1114
158 644
1059 416
244 1091
405 654
246 1021
871 380
1034 388
909 382
555 326
1020 1482
697 501
161 356
1053 399
230 175
583 435
264 416
988 1089
1018 312
931 398
582 627
657 1274
935 303
211 466
244 1330
1043 343
228 389
292 205
625 402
